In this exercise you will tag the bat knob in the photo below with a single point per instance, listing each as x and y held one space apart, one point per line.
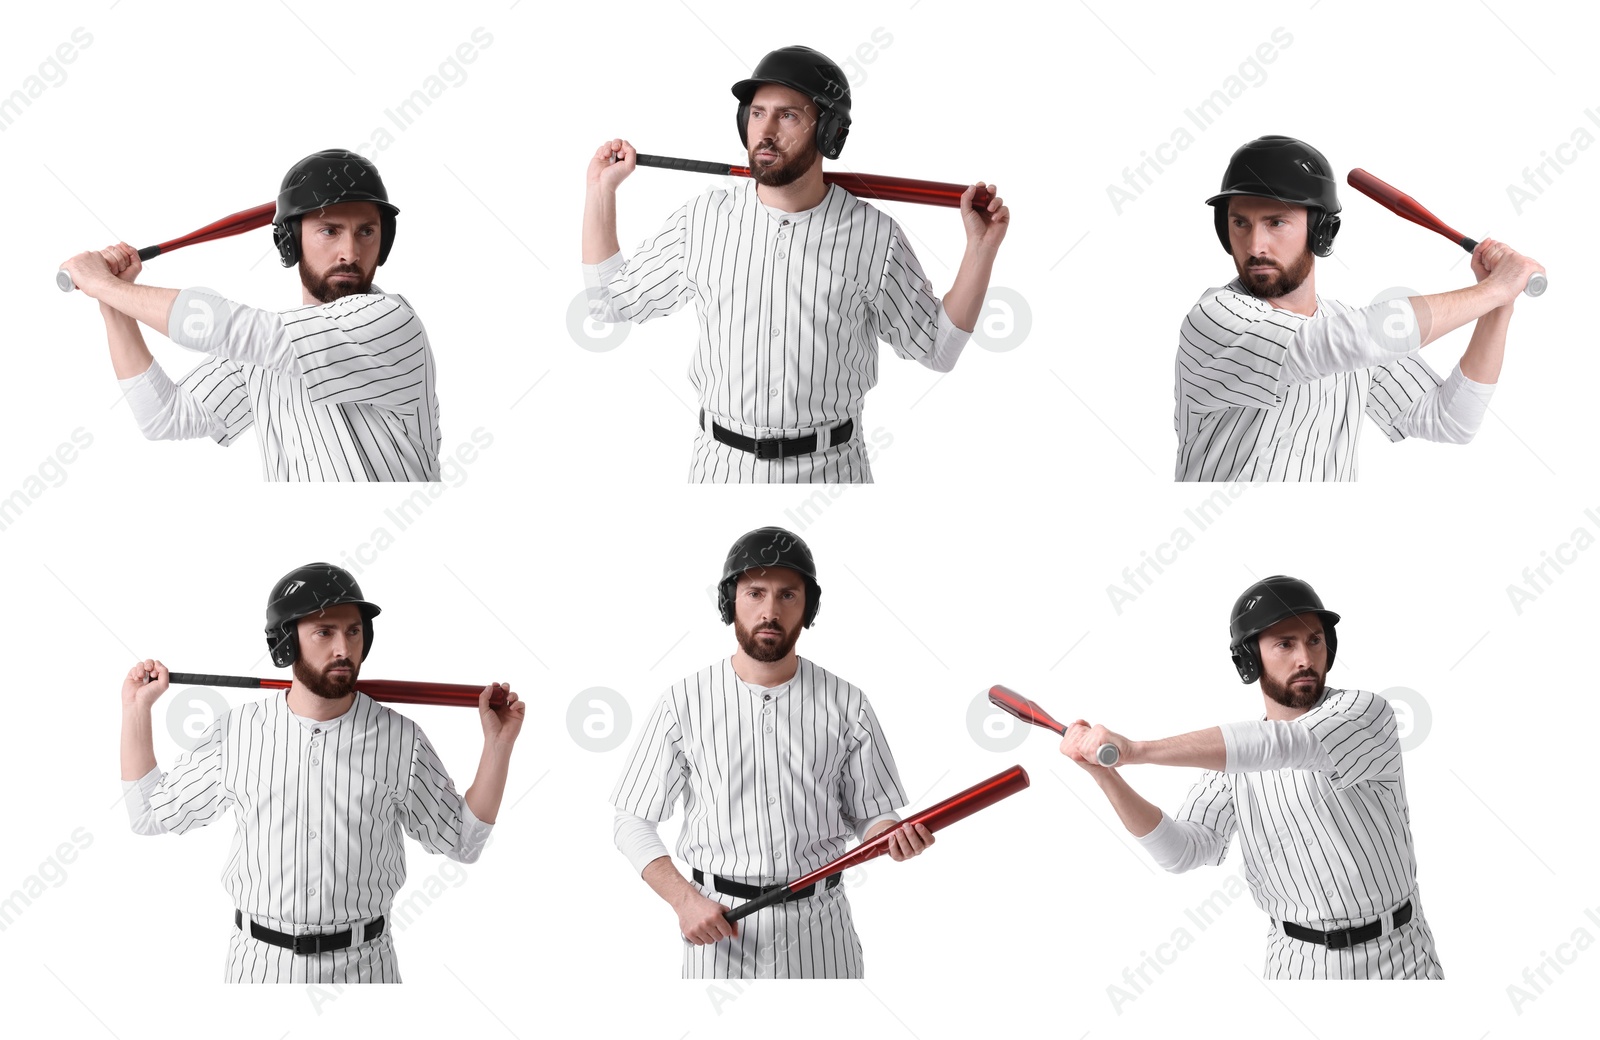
1107 755
64 281
1536 285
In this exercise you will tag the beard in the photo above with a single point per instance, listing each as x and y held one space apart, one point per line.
322 684
787 169
324 289
1288 695
761 651
1288 279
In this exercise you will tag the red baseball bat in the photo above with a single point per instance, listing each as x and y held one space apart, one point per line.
390 691
862 185
233 224
1397 201
935 817
1029 711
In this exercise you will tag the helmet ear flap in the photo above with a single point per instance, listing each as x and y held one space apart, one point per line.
285 648
742 119
286 236
1324 226
1247 659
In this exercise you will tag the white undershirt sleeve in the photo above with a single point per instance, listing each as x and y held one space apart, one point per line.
1256 747
948 342
136 796
1450 413
165 411
1331 343
1180 845
637 839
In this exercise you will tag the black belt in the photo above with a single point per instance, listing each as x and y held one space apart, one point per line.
742 891
778 447
322 942
1344 938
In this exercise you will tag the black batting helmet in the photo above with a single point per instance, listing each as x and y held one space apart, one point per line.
308 590
324 179
1288 170
812 74
1263 605
767 547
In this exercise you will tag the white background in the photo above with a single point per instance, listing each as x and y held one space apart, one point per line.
568 555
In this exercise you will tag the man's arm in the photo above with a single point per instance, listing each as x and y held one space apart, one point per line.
1200 835
600 199
986 229
700 919
500 729
1502 274
98 274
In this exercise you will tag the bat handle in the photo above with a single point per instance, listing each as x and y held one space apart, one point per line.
64 281
1107 755
1537 284
761 902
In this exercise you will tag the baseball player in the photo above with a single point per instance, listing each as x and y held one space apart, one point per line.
794 281
1272 379
778 764
339 389
321 781
1316 792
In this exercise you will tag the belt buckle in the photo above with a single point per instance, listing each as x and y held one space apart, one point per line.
313 944
1339 940
769 449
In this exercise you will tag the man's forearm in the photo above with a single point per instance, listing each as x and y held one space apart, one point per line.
1487 348
489 786
138 745
148 304
664 879
1202 749
964 302
1443 313
1137 815
599 225
129 355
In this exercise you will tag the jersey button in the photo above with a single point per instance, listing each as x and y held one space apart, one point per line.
773 392
782 255
769 729
766 696
314 761
772 801
311 834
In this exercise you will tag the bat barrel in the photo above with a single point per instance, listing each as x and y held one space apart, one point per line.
936 817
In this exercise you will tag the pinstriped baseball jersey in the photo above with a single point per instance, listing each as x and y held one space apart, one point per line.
774 782
320 808
1324 848
1237 420
336 391
791 305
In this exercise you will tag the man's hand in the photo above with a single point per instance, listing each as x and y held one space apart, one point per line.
904 842
145 683
92 271
608 173
986 227
1082 740
501 725
700 920
1503 268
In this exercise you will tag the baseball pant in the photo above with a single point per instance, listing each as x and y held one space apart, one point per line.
1406 952
718 463
251 960
812 938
